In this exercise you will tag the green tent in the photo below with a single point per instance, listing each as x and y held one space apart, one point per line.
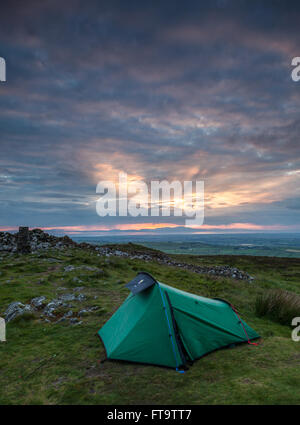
161 325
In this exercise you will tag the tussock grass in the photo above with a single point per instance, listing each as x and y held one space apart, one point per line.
279 305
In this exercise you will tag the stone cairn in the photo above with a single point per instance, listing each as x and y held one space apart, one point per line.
23 244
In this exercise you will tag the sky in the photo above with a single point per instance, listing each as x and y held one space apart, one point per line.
193 90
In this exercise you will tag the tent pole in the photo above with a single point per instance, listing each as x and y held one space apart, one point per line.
169 326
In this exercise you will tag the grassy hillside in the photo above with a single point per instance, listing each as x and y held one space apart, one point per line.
58 363
198 248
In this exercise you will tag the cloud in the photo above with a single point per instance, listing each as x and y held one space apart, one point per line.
198 91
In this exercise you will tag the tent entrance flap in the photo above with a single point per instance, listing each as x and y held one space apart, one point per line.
182 351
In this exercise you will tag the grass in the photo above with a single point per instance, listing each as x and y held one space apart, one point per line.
47 363
279 305
274 249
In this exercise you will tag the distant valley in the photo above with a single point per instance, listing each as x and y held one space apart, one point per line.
256 244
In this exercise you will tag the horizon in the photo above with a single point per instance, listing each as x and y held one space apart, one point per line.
154 232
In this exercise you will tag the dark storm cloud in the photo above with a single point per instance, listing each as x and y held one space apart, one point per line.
154 89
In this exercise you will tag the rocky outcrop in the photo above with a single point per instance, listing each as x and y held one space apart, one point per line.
25 241
38 302
15 310
87 268
40 240
8 242
56 310
160 257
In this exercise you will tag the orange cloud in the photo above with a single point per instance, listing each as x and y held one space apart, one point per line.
128 226
152 226
244 226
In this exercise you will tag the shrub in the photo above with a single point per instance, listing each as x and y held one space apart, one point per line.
278 305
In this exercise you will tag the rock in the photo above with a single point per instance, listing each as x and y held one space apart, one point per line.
8 242
67 297
62 319
23 245
75 321
91 269
78 288
68 269
43 241
12 310
44 245
37 240
87 310
50 308
76 280
83 267
80 297
16 309
53 260
38 302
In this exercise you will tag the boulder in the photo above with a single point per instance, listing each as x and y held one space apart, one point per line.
16 309
51 307
67 297
75 321
38 302
68 269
